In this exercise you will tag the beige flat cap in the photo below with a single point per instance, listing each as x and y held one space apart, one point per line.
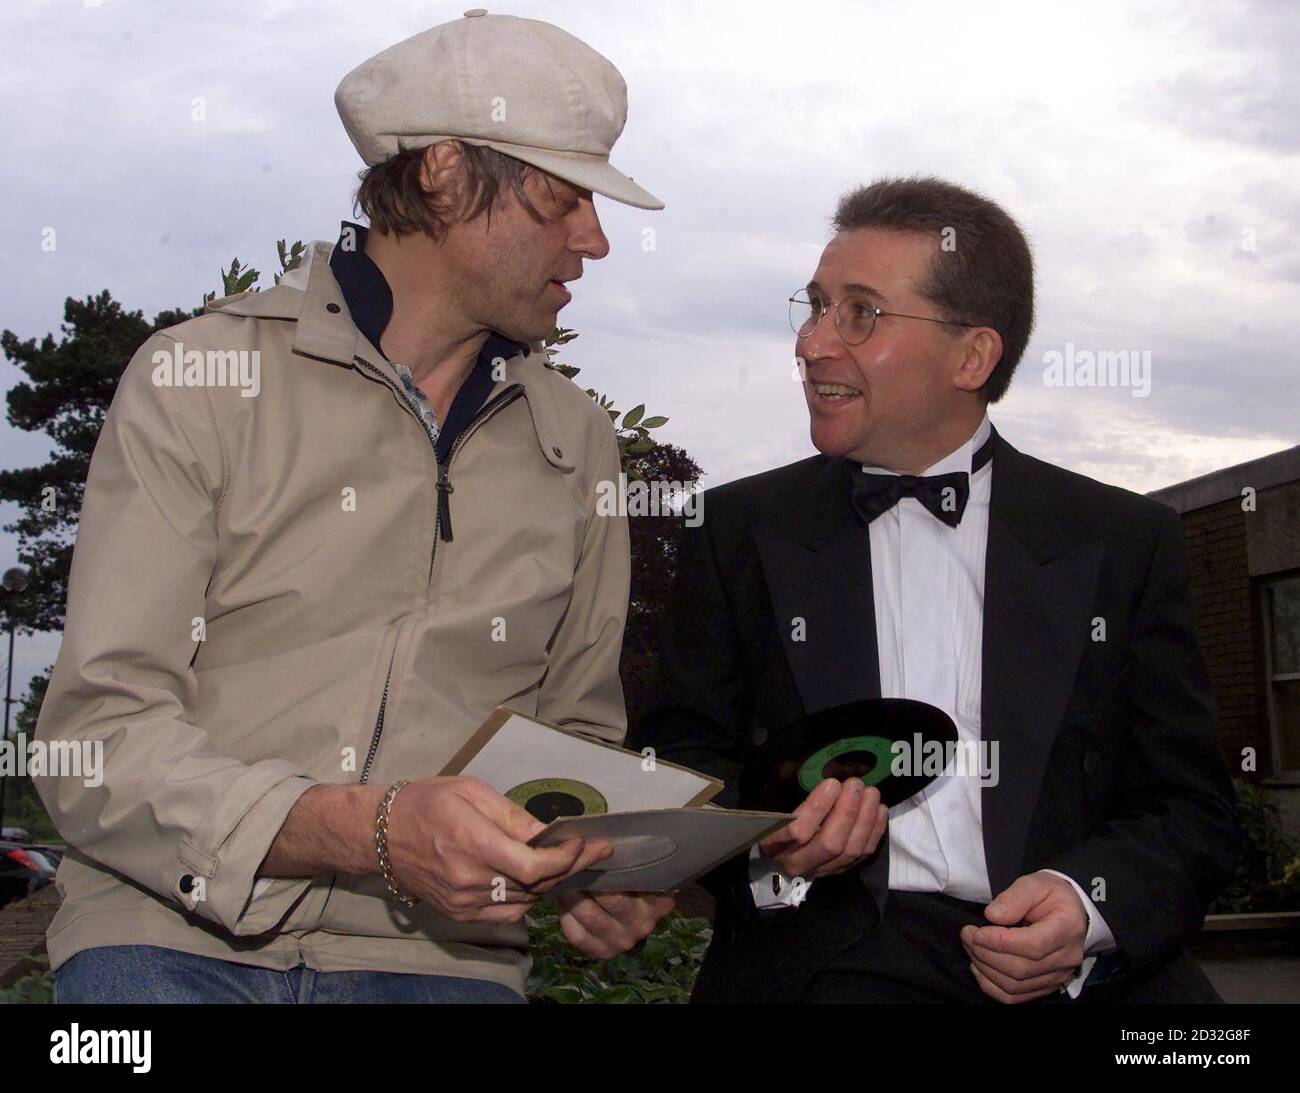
523 87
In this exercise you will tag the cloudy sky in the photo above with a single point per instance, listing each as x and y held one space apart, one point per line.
1146 148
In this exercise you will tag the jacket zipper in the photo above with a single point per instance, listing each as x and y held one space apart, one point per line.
443 527
442 522
379 721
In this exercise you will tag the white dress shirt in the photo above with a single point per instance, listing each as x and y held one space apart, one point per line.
928 585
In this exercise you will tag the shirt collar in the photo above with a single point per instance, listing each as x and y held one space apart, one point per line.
958 460
369 297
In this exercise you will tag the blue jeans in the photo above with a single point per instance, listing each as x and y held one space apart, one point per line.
122 974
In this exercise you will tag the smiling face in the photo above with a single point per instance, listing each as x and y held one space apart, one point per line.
899 397
507 270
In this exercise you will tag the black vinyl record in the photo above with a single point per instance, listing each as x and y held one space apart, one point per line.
857 739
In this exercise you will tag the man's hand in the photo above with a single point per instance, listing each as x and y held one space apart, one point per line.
454 842
835 827
1036 943
605 924
460 845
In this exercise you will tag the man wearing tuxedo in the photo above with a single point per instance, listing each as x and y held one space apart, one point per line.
921 556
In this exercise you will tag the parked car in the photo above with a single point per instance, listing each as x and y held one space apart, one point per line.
23 870
54 854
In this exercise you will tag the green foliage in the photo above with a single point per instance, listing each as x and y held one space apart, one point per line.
289 259
662 969
24 808
654 541
1268 872
35 987
239 278
634 438
235 280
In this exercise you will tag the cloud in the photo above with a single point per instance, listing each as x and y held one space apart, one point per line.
1240 83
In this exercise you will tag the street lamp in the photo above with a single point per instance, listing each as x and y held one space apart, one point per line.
13 582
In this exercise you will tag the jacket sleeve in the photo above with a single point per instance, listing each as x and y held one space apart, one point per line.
1168 840
582 690
170 812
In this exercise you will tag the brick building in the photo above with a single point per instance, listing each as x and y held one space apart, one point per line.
1243 542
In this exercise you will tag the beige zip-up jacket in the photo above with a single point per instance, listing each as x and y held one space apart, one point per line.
261 600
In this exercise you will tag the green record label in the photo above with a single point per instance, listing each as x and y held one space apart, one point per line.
811 773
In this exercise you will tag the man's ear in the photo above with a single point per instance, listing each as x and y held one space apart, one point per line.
983 350
442 176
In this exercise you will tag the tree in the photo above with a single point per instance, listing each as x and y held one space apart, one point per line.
71 385
653 534
654 564
23 807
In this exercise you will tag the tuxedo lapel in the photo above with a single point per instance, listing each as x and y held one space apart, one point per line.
816 558
1039 585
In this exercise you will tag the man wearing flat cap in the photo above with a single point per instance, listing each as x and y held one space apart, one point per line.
288 612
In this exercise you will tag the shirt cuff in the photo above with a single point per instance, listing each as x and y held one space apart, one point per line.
770 887
1098 940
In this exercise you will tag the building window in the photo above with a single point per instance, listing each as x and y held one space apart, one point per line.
1282 662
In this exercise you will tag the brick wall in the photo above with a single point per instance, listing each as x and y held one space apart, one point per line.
1230 628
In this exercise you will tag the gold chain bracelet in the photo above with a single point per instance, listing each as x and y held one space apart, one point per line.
381 844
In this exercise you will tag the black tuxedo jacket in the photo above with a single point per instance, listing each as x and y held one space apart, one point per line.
1110 768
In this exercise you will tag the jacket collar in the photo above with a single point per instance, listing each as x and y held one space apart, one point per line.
312 297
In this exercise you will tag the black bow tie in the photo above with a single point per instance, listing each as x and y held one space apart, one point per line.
944 495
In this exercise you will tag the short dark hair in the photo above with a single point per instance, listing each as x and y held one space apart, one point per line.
393 199
986 277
